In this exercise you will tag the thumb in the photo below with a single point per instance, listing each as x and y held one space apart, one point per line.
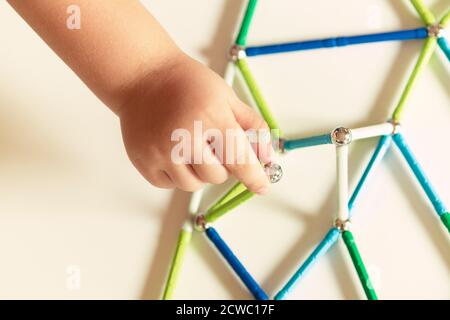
257 130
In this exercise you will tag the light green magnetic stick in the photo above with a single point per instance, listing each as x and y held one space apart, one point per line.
233 192
424 12
445 19
246 22
359 265
184 239
424 58
257 95
213 215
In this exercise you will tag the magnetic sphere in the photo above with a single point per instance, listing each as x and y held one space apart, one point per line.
274 172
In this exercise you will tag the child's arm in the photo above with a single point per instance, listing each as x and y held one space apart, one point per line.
128 60
118 43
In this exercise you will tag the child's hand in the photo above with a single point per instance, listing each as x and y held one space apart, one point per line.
174 96
128 60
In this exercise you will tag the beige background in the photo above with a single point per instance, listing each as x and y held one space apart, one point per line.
71 202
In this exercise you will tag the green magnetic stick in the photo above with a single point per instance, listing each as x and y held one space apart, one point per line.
257 95
424 13
183 241
359 265
213 215
445 218
241 39
445 19
237 189
424 58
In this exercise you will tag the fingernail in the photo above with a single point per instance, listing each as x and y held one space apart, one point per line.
262 191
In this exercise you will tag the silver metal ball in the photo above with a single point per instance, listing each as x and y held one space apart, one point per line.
200 223
236 52
342 225
435 31
396 126
341 136
274 172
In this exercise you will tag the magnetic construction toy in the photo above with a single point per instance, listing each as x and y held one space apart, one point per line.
389 133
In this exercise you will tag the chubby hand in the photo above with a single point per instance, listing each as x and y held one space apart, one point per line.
178 95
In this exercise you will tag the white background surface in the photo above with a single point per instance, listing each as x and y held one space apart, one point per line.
69 196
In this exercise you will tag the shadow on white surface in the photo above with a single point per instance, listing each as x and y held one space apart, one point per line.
172 221
421 208
27 143
217 53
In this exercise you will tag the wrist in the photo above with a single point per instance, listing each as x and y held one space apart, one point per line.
150 77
